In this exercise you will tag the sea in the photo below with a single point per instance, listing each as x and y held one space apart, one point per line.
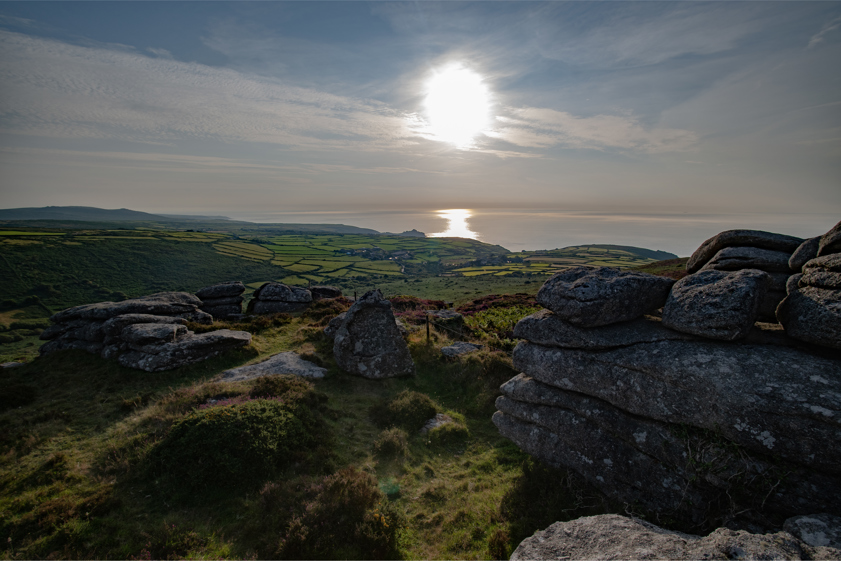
534 229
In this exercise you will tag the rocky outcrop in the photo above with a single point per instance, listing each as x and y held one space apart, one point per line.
677 416
741 238
610 536
281 363
163 354
589 297
275 297
222 300
148 333
716 304
811 311
368 343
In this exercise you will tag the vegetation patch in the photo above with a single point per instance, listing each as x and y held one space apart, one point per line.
409 410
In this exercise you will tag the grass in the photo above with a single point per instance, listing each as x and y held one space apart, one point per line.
76 448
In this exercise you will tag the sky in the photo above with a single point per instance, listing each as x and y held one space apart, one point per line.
252 108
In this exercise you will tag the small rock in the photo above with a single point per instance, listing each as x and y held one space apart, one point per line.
221 290
807 251
589 297
741 238
716 304
281 363
460 348
439 420
323 292
812 315
11 364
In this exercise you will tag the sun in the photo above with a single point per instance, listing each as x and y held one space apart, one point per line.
458 105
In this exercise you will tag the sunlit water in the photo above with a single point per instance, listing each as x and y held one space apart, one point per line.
530 229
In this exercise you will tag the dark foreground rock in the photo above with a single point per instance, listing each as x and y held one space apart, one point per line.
691 476
368 342
589 297
741 238
831 241
281 363
816 529
716 304
610 536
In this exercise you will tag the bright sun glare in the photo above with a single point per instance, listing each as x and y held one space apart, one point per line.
457 105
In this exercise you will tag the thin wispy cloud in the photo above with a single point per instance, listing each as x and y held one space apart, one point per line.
818 37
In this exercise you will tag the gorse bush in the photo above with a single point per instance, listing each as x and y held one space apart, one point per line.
344 516
235 445
410 410
391 444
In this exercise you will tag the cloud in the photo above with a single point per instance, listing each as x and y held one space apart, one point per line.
55 89
818 37
540 128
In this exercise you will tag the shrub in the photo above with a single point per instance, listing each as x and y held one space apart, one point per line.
410 410
171 542
327 308
496 301
391 443
403 303
344 517
234 445
448 434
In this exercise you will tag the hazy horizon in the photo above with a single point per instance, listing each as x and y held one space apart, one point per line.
701 110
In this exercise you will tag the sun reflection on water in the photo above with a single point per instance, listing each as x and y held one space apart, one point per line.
457 226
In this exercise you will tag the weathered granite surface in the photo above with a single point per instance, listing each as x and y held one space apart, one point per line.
741 238
591 297
186 350
819 530
806 251
831 241
221 290
460 348
736 258
611 536
716 304
813 315
769 399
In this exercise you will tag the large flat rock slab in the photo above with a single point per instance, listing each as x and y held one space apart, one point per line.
770 399
546 328
186 350
281 363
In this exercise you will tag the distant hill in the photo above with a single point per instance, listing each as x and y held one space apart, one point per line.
80 213
73 217
641 252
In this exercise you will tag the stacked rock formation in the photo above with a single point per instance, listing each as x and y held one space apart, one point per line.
275 298
223 300
686 422
736 250
147 333
611 536
368 342
811 311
